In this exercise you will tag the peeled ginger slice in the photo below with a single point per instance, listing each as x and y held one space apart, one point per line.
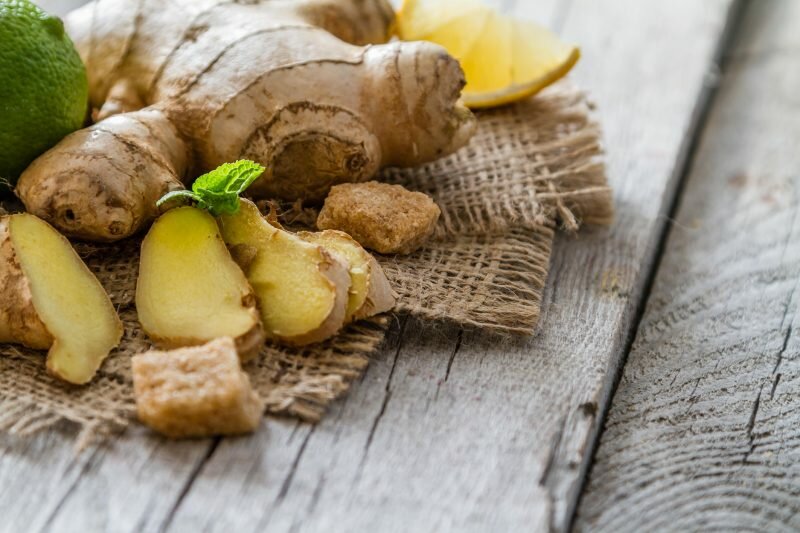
190 290
302 288
68 299
370 293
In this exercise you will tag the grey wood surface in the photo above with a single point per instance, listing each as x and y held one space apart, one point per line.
448 430
59 7
704 431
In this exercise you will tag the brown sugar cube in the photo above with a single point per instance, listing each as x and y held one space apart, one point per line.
389 219
195 392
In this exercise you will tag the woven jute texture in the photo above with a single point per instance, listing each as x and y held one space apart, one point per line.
531 168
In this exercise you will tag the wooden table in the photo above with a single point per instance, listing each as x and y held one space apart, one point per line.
690 297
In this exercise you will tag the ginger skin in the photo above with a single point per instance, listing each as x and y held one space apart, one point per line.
102 183
287 84
19 321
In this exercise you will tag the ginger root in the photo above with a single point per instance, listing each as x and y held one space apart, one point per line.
287 84
50 300
190 291
389 219
102 183
302 289
370 293
195 392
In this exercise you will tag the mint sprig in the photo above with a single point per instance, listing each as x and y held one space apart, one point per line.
219 190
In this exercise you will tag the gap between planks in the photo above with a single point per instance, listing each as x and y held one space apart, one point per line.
719 455
687 155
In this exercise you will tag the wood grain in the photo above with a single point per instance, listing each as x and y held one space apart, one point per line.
128 484
704 431
59 7
448 430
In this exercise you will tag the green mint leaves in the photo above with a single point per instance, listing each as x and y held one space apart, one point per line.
219 190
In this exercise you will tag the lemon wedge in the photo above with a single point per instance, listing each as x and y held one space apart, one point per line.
504 59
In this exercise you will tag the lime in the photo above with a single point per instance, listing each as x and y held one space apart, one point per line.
43 86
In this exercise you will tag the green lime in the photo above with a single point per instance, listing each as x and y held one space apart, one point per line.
43 87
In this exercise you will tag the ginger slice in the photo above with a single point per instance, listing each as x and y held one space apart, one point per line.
190 290
195 392
370 293
59 304
302 289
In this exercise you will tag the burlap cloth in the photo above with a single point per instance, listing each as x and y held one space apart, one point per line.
531 167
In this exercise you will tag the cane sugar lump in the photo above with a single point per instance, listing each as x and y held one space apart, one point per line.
389 219
195 392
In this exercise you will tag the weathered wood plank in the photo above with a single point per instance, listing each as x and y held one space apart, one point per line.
448 430
128 484
455 431
704 430
59 7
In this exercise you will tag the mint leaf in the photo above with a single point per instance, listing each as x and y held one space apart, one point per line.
230 177
218 191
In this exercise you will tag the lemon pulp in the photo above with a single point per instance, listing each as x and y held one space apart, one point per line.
504 59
